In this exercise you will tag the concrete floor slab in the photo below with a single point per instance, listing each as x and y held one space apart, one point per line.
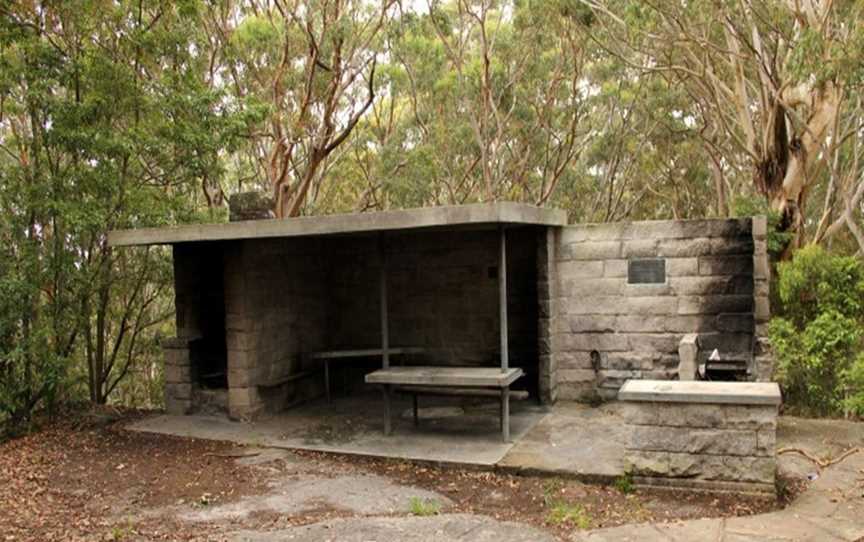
363 495
442 528
574 439
354 425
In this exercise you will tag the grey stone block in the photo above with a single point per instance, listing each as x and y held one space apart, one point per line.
177 407
574 360
568 376
629 361
759 226
761 267
592 232
181 391
640 248
713 285
682 248
762 311
568 269
604 342
592 286
692 416
688 351
593 323
716 392
750 417
647 289
731 245
682 267
654 342
704 467
696 441
178 374
615 268
725 265
715 304
591 250
735 322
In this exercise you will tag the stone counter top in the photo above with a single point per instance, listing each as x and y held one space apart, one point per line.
673 391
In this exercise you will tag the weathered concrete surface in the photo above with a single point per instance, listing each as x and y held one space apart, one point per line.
354 425
573 439
452 216
364 495
821 438
831 510
736 393
442 528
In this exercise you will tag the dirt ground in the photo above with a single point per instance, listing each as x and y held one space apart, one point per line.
89 479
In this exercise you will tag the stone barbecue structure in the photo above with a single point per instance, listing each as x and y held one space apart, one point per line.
260 302
707 435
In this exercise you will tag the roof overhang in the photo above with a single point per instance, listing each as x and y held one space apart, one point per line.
501 213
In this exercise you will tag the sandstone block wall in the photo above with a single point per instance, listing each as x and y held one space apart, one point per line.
274 311
762 367
709 446
607 330
276 300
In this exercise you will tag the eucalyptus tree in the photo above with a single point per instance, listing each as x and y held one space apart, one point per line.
771 80
309 66
106 121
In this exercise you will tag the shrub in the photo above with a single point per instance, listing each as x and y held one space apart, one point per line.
817 337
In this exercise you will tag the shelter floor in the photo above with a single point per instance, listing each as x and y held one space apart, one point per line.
568 438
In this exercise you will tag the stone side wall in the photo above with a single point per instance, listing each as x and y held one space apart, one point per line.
275 309
547 315
607 331
198 323
710 446
762 369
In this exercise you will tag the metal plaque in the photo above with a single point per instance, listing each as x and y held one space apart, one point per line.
647 271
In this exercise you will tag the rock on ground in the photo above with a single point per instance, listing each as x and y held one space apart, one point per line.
443 528
356 494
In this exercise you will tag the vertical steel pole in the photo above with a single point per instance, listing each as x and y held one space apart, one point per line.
502 299
385 328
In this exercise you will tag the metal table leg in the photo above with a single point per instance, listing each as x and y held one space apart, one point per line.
387 422
327 379
505 414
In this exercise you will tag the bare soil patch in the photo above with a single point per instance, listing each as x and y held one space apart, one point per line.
88 479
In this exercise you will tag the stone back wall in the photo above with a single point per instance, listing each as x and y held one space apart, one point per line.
606 330
275 310
442 294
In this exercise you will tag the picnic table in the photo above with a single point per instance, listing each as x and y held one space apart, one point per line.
448 380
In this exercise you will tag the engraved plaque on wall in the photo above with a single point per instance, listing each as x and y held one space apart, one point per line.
646 271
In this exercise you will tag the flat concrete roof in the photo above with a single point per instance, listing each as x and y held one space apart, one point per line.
678 391
408 219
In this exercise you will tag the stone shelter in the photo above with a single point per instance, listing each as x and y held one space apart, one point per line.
266 309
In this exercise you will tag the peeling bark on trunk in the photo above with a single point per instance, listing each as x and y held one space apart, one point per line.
782 175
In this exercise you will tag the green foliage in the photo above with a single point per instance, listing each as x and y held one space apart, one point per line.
744 206
566 513
817 340
624 484
424 507
107 122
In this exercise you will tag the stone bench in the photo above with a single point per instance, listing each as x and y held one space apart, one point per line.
702 435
